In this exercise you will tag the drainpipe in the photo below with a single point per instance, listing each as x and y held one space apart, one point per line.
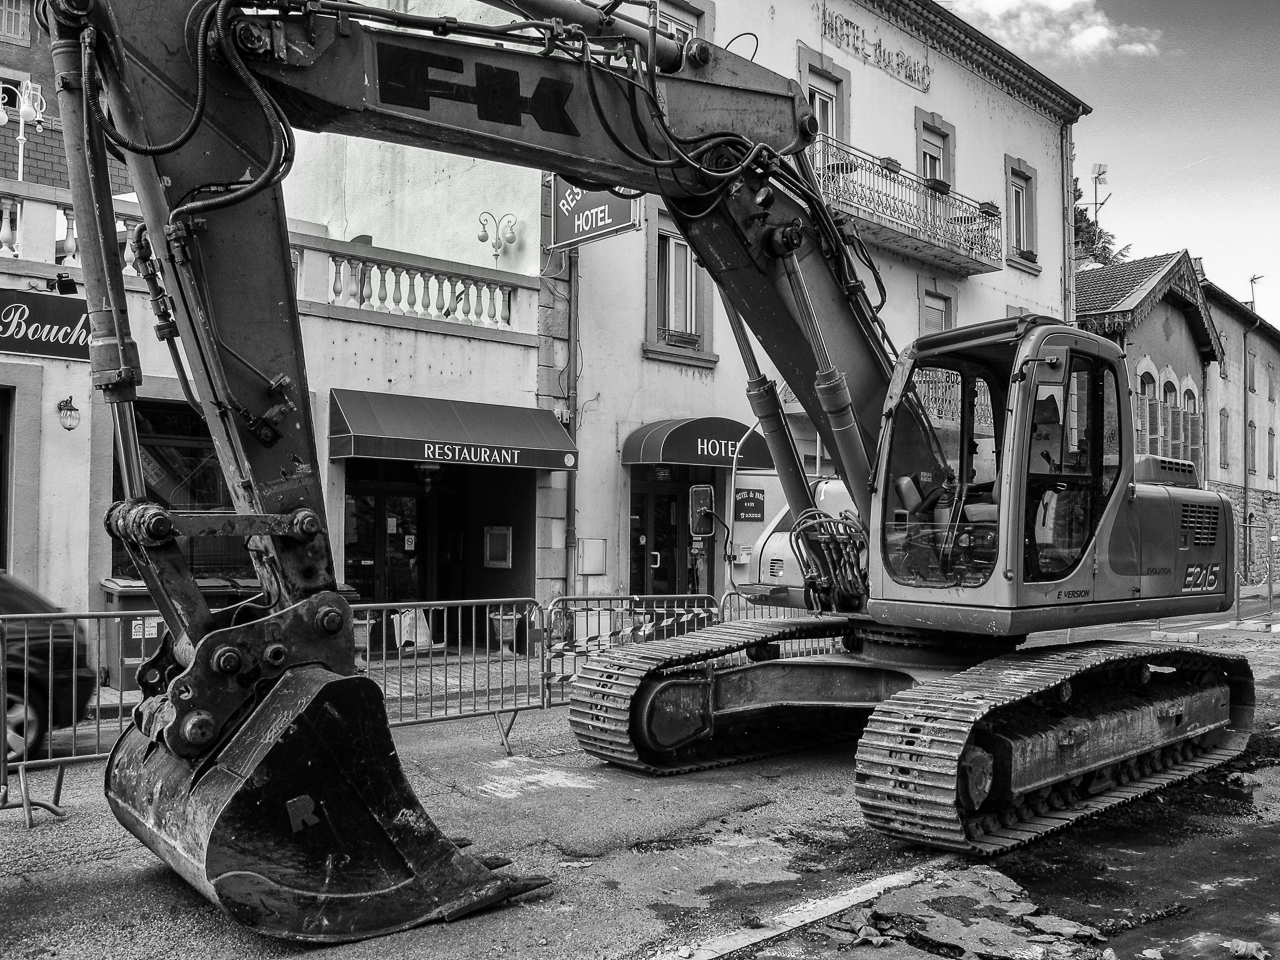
571 485
1248 539
1068 227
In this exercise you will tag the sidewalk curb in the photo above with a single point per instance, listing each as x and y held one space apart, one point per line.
804 913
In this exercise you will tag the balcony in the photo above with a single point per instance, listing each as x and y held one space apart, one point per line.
897 210
355 281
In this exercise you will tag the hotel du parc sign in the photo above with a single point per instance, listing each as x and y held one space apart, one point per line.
860 35
43 325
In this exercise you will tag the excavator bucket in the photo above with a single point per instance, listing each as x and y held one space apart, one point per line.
302 825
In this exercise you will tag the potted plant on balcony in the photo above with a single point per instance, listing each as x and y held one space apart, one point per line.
938 185
1028 255
988 209
890 164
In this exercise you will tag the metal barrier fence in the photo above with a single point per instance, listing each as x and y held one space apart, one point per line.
577 627
69 688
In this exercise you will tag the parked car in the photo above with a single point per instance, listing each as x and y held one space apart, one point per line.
47 675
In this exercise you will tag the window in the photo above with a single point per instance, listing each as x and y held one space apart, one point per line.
1189 401
678 296
937 305
1271 383
1224 433
1020 178
828 85
934 314
1271 453
1222 361
1069 476
1250 448
182 473
935 147
1253 363
942 510
1147 385
677 311
1171 395
822 99
15 22
681 29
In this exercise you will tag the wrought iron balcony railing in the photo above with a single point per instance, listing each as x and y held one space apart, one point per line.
922 218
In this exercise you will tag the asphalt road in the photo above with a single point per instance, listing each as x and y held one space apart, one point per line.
655 867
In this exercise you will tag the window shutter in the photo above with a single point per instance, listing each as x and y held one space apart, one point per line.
1175 431
1194 442
1153 426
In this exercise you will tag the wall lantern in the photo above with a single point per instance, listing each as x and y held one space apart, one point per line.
68 415
504 230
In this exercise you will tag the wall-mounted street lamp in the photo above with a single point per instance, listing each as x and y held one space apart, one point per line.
504 230
68 414
31 107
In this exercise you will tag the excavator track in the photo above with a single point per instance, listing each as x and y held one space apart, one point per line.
600 704
913 752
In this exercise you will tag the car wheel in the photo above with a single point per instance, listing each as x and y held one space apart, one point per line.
24 719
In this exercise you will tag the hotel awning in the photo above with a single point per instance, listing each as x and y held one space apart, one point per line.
388 426
698 441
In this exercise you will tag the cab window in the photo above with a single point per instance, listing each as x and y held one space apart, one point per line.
1073 459
942 502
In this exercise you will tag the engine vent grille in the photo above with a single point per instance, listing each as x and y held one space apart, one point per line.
775 567
1202 520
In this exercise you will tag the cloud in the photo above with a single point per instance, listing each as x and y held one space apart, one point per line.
1057 29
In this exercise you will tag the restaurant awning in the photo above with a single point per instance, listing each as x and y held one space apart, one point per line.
698 441
388 426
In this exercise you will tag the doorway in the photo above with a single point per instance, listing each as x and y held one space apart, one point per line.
664 558
389 532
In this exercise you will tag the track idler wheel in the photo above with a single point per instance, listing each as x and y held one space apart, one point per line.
302 825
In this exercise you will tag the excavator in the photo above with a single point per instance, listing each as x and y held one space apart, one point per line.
987 485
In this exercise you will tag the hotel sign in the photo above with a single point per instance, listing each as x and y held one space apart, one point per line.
868 47
43 325
580 216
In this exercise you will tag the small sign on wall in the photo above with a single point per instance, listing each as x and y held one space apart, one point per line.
748 505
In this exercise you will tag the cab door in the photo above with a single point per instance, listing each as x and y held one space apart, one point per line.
1070 465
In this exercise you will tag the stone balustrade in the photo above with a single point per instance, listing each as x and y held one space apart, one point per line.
37 224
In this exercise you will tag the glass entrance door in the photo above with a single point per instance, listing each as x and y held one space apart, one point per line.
385 548
658 541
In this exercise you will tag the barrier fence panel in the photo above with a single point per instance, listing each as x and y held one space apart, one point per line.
441 660
577 627
734 606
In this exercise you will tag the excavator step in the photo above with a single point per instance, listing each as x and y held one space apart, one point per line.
302 824
915 756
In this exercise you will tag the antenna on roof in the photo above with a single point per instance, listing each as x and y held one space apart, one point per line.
1253 300
1099 171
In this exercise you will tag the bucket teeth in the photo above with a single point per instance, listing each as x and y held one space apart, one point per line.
303 825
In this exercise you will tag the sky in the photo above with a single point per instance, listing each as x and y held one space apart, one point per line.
1186 116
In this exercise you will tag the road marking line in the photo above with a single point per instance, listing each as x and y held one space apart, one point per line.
807 912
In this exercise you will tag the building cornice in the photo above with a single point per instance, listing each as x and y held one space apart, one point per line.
951 36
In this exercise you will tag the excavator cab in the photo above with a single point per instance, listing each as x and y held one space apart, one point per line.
1008 499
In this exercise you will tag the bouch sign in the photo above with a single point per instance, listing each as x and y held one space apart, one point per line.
580 216
43 325
867 46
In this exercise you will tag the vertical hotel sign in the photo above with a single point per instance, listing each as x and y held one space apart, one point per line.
43 325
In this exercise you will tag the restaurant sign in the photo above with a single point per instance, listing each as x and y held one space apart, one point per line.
43 325
580 216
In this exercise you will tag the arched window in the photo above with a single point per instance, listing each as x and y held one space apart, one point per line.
1171 394
1147 385
1189 402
